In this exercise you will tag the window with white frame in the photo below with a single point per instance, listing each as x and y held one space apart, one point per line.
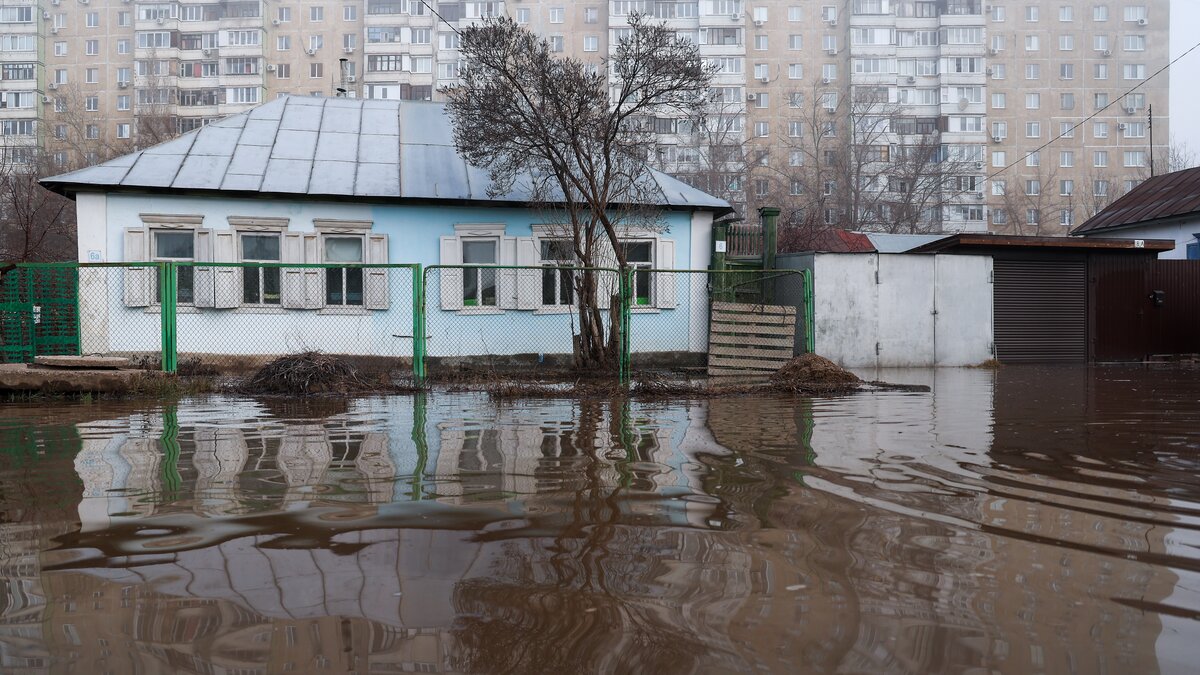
176 245
558 285
640 256
479 288
260 285
343 285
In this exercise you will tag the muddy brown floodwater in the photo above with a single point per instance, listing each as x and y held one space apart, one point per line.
1023 520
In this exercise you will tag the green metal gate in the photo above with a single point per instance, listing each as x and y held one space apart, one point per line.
39 312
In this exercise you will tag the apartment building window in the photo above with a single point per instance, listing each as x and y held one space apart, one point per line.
795 42
1066 129
829 71
761 187
1033 71
283 71
349 13
92 20
760 43
1033 159
316 70
316 13
1066 159
1100 72
283 15
1031 13
1032 216
92 131
998 13
316 42
1033 101
591 15
1100 158
122 46
557 14
1135 158
1066 217
1100 100
1066 13
242 94
60 76
1100 43
1066 71
123 102
1099 129
1032 43
762 100
762 129
999 129
591 43
283 43
91 47
795 13
795 71
999 158
60 48
124 19
91 103
1135 130
1033 130
1135 13
1133 71
999 187
244 38
1066 43
829 43
828 13
1134 43
91 75
350 41
238 66
1100 188
999 71
523 15
557 43
999 217
1135 101
123 130
1066 101
1100 13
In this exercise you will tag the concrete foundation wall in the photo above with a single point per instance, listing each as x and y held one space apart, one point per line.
900 310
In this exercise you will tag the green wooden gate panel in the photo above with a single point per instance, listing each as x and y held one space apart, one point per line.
39 312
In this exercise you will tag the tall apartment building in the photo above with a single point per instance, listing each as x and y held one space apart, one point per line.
894 114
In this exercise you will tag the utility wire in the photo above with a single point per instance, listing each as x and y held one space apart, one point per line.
439 16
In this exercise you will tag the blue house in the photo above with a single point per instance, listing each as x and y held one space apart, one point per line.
319 180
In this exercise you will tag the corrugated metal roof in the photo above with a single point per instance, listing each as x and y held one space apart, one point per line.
1166 196
327 147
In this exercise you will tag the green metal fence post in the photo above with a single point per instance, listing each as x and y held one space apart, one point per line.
623 344
167 284
809 313
418 353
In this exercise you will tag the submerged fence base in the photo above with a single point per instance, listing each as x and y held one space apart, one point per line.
183 315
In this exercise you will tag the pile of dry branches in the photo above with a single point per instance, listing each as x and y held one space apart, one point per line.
308 373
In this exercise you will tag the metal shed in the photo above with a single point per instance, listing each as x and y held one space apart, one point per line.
1061 299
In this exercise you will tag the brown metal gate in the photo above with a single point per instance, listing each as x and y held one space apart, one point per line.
1040 310
1174 324
1119 306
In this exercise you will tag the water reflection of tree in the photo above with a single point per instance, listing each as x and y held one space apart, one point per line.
573 601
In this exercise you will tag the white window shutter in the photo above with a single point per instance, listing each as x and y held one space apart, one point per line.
204 279
139 282
314 277
607 283
529 281
375 281
665 282
228 279
291 283
450 281
506 280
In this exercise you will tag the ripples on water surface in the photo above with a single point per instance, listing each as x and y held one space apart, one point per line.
1020 521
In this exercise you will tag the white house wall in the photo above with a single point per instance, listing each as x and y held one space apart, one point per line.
902 310
1181 233
413 233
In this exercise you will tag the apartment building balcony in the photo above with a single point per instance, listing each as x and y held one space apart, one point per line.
722 50
730 20
156 24
243 22
228 51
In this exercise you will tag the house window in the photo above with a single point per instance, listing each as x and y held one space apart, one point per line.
260 285
479 285
640 256
558 286
343 285
178 246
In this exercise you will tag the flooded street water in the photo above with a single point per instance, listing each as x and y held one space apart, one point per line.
1018 521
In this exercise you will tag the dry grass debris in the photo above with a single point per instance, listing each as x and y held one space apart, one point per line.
309 373
809 369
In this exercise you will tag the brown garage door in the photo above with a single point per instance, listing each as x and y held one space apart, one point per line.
1040 310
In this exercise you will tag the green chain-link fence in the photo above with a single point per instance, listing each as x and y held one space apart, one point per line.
429 322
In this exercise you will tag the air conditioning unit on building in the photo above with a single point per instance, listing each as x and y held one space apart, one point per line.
45 99
45 15
122 84
825 80
1121 126
274 22
833 22
735 17
997 139
751 98
987 71
351 79
53 86
993 52
270 67
349 50
979 166
912 79
759 23
831 52
310 52
1130 111
54 31
83 2
160 21
764 79
1142 22
206 52
55 2
1108 52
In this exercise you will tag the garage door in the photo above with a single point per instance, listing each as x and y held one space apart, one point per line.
1040 310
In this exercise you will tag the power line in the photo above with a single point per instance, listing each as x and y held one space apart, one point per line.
439 16
1070 132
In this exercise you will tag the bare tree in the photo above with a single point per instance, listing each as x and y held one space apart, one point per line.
576 136
36 225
